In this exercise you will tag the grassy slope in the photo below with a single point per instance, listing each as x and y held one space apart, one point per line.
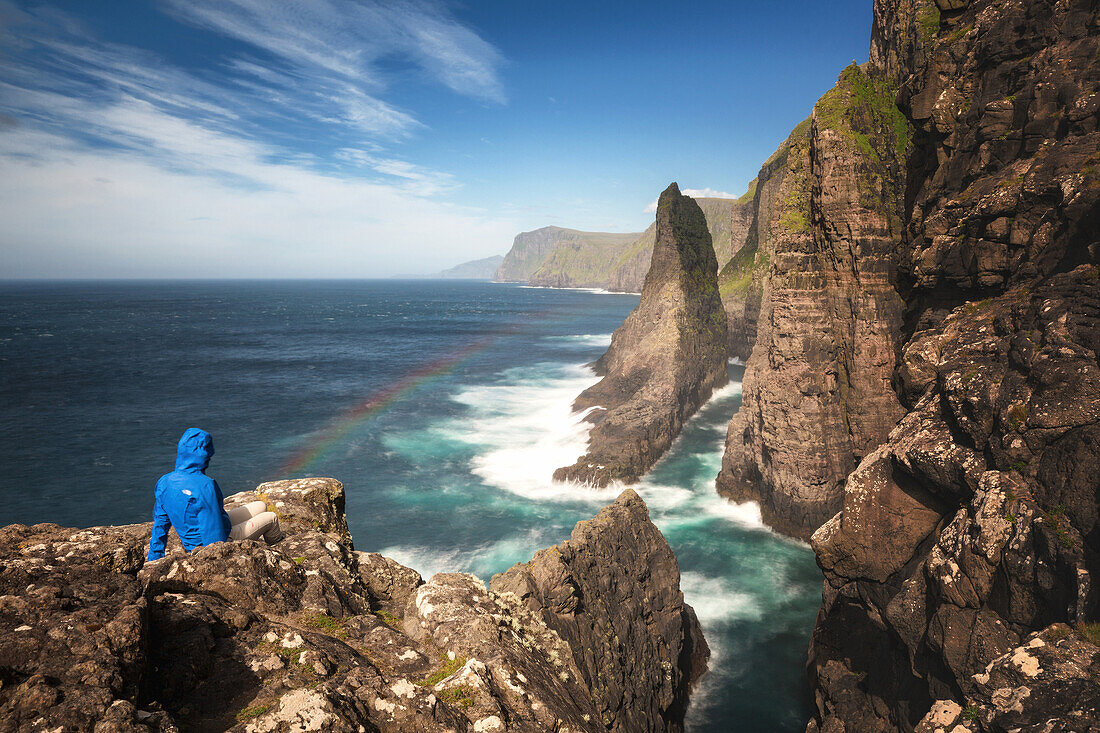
584 260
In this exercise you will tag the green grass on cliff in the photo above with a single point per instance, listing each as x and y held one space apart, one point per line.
928 21
861 107
750 194
583 259
736 278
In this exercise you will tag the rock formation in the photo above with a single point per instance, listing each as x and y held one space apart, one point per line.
642 651
309 634
727 220
924 360
567 258
818 273
975 524
666 358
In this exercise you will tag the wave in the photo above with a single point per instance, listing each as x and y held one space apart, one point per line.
583 340
717 600
523 428
597 291
483 560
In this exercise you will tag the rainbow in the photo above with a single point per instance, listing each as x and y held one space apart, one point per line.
339 428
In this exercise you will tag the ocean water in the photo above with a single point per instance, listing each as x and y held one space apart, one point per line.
443 406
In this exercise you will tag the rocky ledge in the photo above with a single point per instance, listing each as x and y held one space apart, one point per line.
665 360
309 634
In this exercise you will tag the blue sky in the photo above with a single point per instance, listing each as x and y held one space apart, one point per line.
340 138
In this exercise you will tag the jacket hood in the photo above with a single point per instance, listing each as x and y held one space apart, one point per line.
194 450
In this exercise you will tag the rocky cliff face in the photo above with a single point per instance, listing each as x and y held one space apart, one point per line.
309 634
529 250
641 651
741 280
967 532
818 274
666 358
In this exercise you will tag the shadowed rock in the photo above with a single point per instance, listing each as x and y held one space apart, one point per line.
974 525
664 361
612 593
307 634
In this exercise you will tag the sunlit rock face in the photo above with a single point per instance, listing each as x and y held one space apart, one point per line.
821 305
665 360
309 634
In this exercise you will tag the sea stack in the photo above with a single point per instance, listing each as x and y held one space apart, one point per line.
665 360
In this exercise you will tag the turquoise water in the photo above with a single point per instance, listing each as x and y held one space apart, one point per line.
452 474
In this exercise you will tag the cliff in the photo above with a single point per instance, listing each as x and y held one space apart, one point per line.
483 269
666 358
581 251
582 260
971 531
309 634
567 258
741 280
642 652
818 274
919 291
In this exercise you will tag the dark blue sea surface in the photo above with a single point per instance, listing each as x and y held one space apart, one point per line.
443 406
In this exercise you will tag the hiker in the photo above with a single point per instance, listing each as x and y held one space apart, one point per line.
191 501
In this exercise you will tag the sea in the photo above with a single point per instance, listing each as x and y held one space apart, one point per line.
444 408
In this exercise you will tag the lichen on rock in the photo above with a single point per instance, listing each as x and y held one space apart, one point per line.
306 634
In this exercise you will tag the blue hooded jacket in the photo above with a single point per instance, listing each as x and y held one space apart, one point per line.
189 500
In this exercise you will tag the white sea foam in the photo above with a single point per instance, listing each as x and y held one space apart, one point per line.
732 388
717 600
583 340
525 428
597 291
746 514
482 560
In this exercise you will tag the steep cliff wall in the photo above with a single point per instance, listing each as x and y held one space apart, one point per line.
666 358
641 652
821 263
310 635
976 522
530 249
741 280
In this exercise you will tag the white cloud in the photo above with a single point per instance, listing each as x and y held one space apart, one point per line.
707 193
115 163
68 210
695 193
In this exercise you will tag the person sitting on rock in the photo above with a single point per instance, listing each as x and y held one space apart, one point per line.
191 501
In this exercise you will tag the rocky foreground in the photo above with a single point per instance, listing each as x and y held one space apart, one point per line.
664 361
309 634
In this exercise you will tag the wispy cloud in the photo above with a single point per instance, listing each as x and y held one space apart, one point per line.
115 161
342 42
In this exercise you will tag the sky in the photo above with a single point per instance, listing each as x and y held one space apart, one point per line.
367 138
